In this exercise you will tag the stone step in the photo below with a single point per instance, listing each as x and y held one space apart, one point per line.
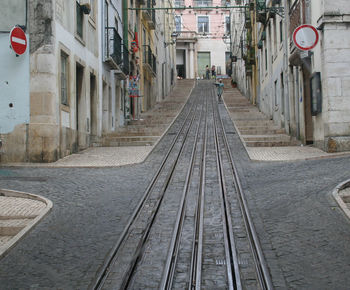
268 138
110 140
269 143
248 117
126 143
241 110
260 131
264 122
130 133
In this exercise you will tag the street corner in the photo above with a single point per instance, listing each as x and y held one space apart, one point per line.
19 213
342 196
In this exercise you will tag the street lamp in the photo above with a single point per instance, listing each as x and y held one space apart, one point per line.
173 39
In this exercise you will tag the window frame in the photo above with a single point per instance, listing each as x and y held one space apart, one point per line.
176 24
64 100
208 23
79 26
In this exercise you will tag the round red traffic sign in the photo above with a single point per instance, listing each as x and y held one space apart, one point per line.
18 40
305 37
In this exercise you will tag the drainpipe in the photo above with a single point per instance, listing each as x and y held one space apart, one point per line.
125 23
286 67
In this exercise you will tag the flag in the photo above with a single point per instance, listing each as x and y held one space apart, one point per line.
136 37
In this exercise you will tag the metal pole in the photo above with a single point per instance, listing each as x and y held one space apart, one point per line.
188 7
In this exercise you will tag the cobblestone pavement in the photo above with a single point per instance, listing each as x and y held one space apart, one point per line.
304 234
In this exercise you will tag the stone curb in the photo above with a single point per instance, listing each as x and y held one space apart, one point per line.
339 200
11 193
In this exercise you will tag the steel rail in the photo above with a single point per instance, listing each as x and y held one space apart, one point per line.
197 247
234 279
169 269
105 269
138 253
260 263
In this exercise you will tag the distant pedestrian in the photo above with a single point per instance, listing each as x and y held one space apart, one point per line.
207 72
220 87
213 72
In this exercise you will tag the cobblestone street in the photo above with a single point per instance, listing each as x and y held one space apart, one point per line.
303 232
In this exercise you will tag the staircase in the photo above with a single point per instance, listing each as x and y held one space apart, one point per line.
255 128
152 124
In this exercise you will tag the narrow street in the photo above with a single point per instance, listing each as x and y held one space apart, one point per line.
185 227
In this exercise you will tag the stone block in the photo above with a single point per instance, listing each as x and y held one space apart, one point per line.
339 55
43 130
337 144
339 7
345 85
336 39
332 87
42 104
339 104
43 142
338 116
43 82
337 129
46 63
337 69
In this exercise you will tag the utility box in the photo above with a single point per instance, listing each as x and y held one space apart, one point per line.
316 93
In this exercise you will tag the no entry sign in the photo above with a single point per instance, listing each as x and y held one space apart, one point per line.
305 37
18 40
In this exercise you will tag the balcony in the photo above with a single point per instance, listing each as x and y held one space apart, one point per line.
186 36
116 54
150 14
203 3
149 60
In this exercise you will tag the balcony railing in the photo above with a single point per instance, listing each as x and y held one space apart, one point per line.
187 35
116 53
150 14
203 3
149 59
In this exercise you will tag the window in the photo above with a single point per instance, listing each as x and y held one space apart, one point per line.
64 79
276 96
203 24
227 24
281 31
178 23
79 20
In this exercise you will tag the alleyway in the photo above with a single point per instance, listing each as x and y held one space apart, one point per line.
303 234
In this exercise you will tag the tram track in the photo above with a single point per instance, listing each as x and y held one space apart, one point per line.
195 230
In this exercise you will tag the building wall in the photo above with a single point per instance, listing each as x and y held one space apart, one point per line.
333 125
193 41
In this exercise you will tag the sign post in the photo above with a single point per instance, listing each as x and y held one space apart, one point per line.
305 37
18 40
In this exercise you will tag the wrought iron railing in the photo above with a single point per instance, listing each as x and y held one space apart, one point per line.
149 58
151 12
116 50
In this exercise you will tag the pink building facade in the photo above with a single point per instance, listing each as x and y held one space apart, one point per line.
203 37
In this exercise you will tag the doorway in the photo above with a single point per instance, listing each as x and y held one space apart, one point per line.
93 106
79 77
203 60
